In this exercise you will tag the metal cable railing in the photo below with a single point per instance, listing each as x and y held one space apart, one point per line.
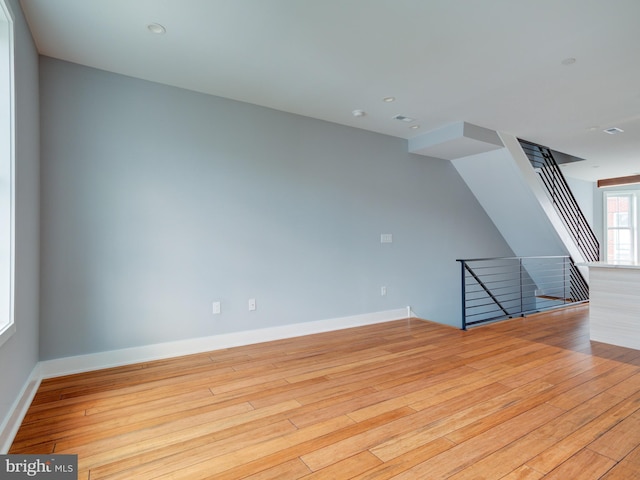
563 200
506 287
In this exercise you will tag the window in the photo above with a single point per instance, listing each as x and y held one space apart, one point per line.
7 325
621 227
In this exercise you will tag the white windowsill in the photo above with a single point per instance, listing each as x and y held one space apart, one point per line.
6 334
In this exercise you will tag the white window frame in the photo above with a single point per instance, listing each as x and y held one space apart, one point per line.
7 174
634 221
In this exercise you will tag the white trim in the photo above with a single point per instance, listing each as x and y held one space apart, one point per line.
18 410
95 361
7 332
8 328
634 193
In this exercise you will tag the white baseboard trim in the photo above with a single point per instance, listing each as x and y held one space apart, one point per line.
13 420
95 361
115 358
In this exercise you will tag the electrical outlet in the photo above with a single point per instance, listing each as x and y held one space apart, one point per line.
383 291
252 304
216 308
386 238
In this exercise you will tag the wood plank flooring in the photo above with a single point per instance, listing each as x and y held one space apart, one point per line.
523 399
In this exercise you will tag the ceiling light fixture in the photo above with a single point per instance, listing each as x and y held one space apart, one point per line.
613 130
414 127
358 113
156 28
389 99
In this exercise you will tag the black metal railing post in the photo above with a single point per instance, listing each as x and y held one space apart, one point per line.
521 285
564 280
464 296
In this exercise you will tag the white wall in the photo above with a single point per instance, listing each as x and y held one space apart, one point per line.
157 201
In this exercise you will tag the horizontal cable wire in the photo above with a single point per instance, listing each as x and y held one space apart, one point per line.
497 288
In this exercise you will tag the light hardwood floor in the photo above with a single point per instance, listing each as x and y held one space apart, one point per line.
523 399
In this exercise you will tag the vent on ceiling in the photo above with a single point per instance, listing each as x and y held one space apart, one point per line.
402 118
613 130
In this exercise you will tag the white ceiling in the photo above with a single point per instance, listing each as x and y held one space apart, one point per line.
493 63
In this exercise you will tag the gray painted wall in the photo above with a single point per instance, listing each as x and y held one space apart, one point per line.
19 355
501 187
157 201
584 193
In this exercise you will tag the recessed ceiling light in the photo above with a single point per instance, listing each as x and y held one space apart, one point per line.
358 113
389 99
613 130
414 127
593 128
156 28
568 61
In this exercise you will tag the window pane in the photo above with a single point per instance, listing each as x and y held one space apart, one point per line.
620 246
621 219
621 227
7 326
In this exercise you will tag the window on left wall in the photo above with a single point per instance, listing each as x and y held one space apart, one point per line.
7 175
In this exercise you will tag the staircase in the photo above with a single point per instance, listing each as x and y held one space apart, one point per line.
522 189
566 206
531 206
